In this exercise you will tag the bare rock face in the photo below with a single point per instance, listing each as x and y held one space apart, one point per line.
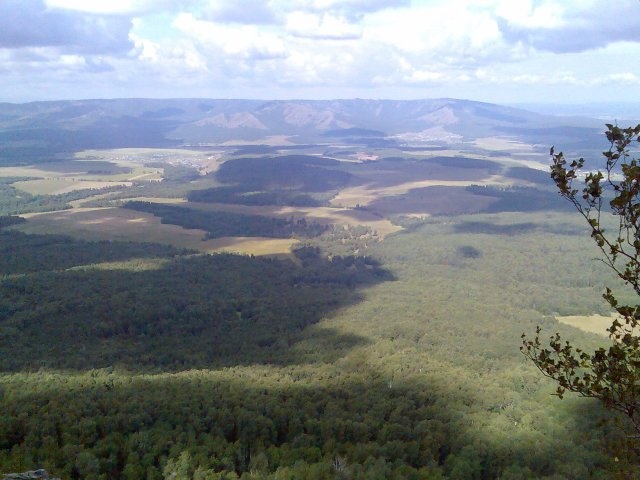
30 475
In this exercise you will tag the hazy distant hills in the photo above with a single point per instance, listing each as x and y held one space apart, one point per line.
40 128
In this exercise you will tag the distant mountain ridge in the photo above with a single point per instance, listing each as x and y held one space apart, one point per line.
79 124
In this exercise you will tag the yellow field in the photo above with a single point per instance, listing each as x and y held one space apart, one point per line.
172 201
124 224
168 201
503 144
138 173
589 323
40 172
62 185
366 194
253 245
132 265
29 171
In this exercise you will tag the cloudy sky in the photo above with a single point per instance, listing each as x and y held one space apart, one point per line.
504 51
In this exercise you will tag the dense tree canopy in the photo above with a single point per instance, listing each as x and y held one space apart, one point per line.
142 362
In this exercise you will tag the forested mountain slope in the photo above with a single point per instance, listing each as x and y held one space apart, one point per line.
40 128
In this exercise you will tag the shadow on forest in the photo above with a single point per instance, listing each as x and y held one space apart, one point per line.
226 420
512 229
203 311
448 200
23 253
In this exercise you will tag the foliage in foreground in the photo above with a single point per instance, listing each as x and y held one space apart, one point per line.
611 375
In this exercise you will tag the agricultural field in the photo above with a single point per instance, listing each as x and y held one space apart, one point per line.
63 185
362 192
123 224
589 323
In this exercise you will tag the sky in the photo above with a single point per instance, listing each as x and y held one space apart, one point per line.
501 51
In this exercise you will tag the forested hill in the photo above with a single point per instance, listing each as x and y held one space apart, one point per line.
40 128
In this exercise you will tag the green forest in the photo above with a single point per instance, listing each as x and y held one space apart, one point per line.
228 224
13 202
139 361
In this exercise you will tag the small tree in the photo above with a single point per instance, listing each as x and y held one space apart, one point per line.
611 375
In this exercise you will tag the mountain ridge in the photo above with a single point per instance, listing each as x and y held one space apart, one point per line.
71 125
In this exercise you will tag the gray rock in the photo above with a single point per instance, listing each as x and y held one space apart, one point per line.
30 475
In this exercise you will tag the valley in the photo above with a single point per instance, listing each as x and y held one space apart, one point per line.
279 290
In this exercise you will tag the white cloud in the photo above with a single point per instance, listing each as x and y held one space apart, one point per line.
570 25
26 24
443 30
169 57
243 41
423 76
624 78
109 7
36 61
72 61
241 11
524 13
325 25
329 46
351 9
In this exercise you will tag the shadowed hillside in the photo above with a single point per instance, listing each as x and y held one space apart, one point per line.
33 131
172 313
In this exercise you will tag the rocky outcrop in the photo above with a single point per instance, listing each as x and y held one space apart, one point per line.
30 475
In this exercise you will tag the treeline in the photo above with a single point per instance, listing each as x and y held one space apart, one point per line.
13 201
520 199
23 253
295 180
244 195
228 224
8 220
532 175
347 240
175 174
299 172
